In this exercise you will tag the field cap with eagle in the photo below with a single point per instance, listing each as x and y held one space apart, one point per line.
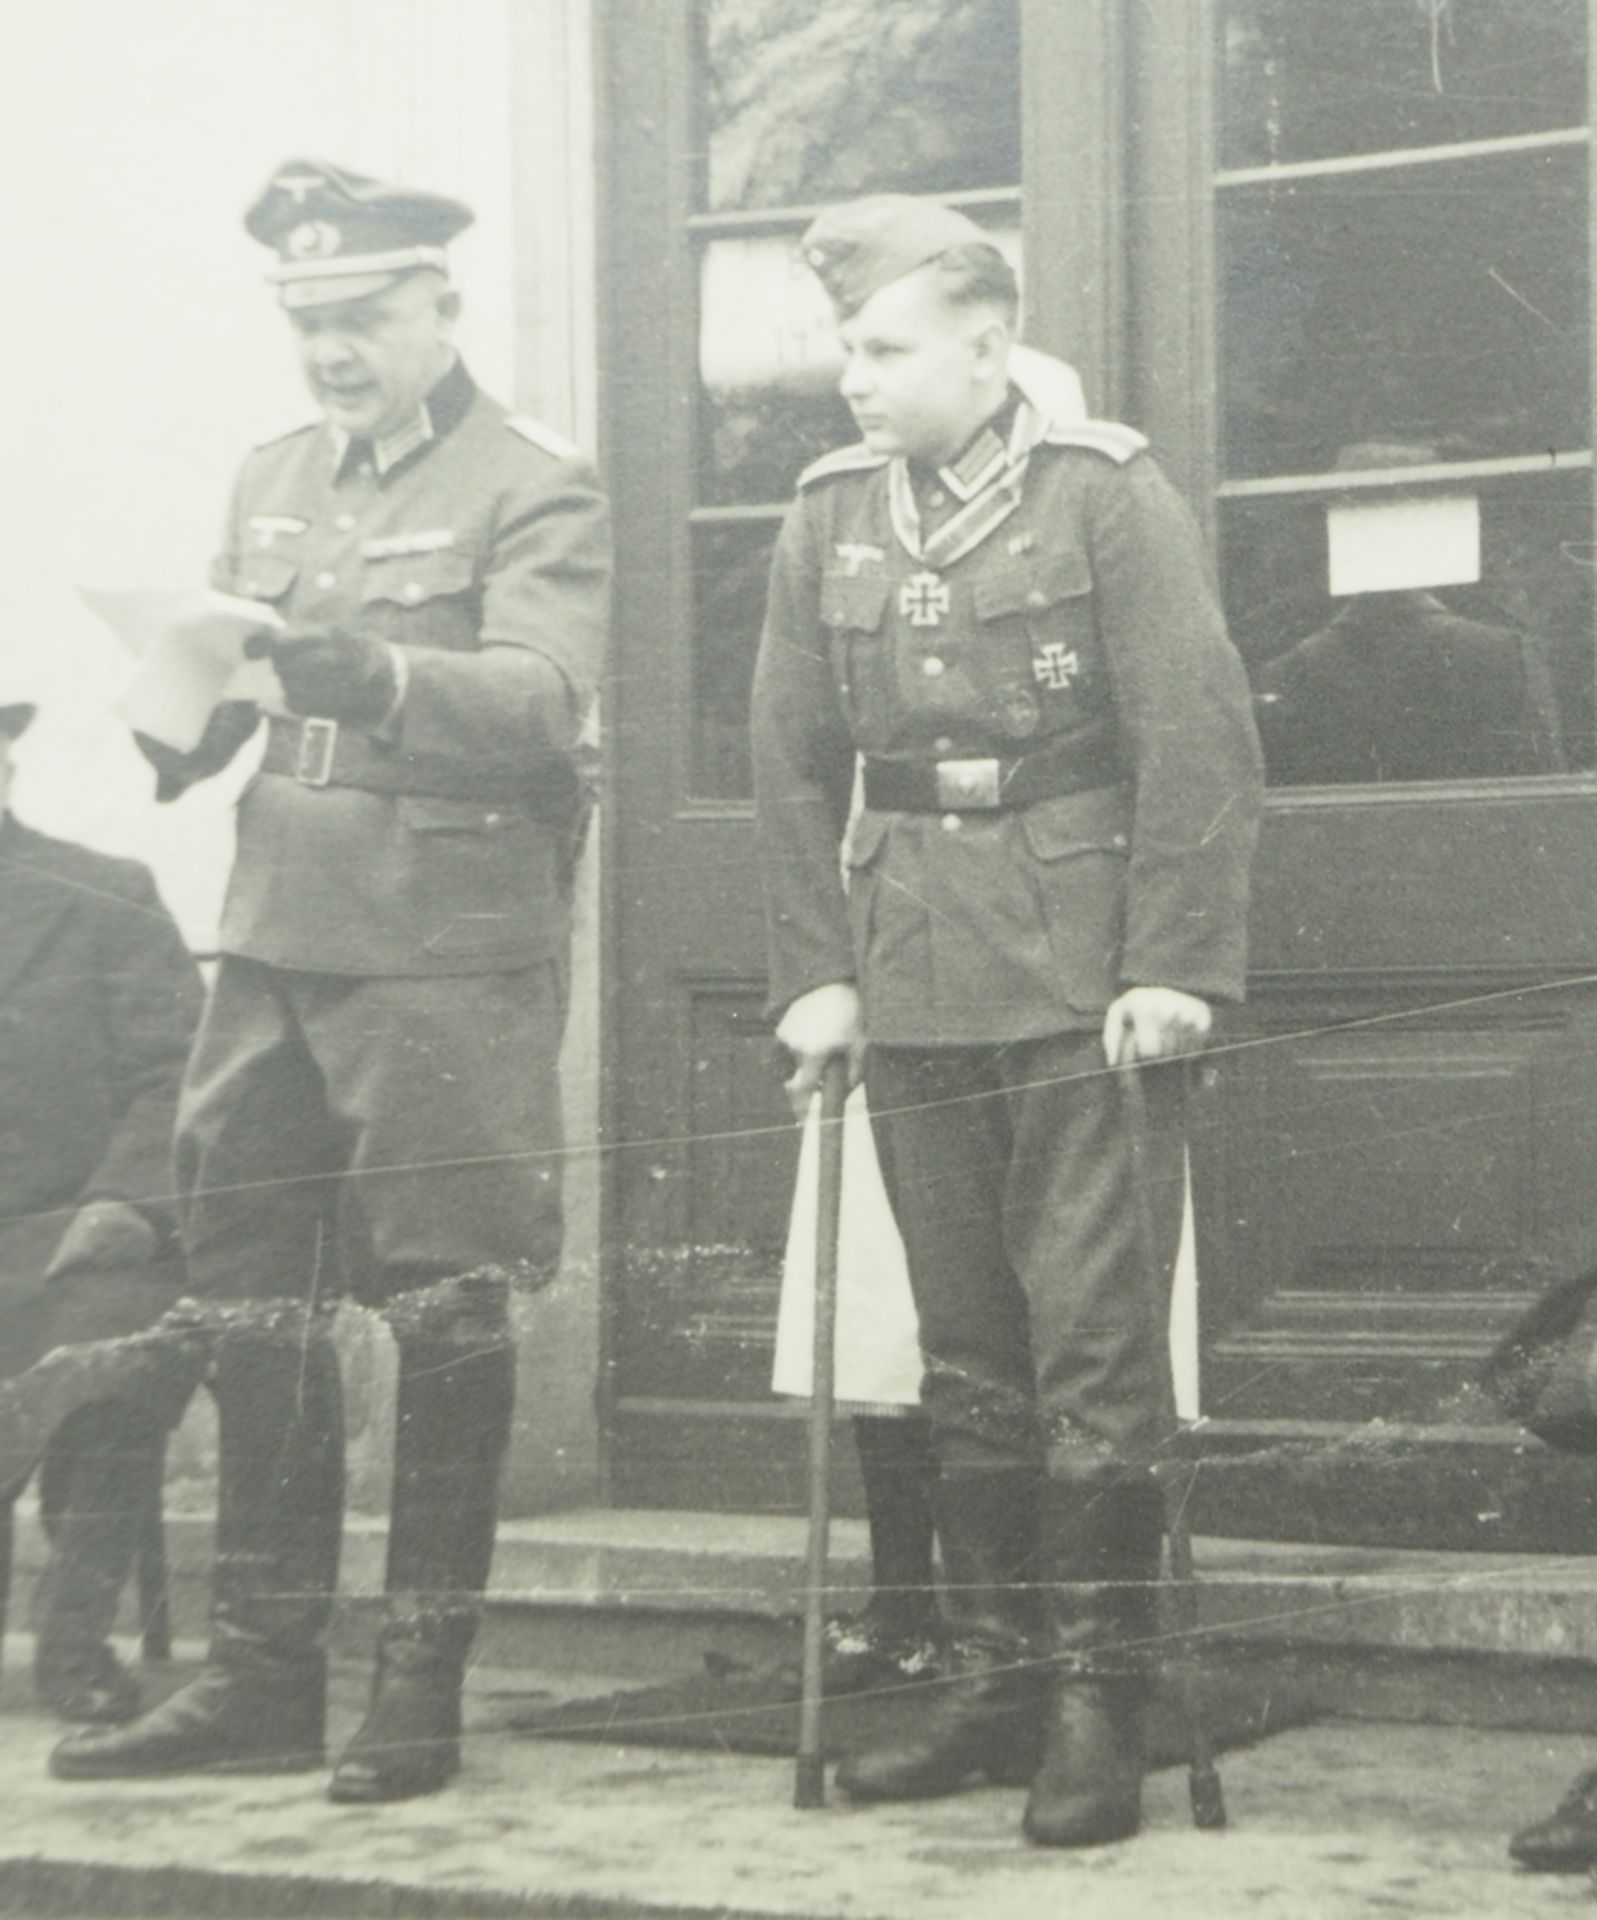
856 249
341 236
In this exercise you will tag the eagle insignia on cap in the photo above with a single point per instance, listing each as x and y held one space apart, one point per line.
312 240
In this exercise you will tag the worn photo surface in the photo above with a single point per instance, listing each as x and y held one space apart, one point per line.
798 958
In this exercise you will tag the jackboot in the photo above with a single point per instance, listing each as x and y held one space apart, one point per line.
984 1722
259 1703
1566 1841
456 1396
1100 1571
99 1475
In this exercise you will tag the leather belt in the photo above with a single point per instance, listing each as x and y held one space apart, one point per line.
321 753
988 785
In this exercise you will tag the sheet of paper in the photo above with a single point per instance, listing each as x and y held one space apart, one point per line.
191 652
1389 546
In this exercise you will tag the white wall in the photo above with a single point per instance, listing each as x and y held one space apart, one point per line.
143 351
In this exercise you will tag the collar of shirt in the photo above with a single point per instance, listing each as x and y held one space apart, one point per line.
440 413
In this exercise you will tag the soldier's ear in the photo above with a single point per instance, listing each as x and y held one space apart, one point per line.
989 345
449 304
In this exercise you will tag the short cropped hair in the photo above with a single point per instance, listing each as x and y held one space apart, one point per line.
976 274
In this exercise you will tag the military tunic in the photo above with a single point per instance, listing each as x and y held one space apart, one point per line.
1045 596
392 988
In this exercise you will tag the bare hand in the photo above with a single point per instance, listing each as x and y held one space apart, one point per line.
1154 1023
818 1025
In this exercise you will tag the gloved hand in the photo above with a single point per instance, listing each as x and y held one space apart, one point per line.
229 726
105 1236
350 677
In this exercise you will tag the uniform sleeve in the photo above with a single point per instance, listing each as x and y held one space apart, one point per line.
545 621
803 776
1186 719
152 995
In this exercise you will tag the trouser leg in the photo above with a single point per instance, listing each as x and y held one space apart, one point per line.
100 1472
455 1402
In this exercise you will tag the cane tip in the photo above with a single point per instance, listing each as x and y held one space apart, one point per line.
809 1782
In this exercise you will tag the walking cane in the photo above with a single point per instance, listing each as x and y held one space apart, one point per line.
809 1777
1203 1777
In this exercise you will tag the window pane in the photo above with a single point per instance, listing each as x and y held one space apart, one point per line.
1308 79
1488 680
1439 305
805 100
769 365
731 569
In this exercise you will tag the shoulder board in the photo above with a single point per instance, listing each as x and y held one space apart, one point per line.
542 436
1108 437
294 433
855 459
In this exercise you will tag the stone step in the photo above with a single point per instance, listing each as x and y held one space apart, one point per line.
1495 1639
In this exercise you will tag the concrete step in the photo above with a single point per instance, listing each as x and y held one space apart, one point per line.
1494 1639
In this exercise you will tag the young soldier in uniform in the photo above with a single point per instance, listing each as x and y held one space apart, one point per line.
98 1003
379 1055
1010 618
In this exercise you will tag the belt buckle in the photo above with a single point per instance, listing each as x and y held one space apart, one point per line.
967 784
313 764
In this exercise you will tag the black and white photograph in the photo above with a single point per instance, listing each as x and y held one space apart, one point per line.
798 960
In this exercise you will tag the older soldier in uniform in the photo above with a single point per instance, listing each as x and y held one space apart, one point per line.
374 1088
98 1003
1009 617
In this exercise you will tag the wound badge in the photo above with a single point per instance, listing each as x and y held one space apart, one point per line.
924 599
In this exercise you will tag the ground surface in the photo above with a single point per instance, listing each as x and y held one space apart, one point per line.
1329 1821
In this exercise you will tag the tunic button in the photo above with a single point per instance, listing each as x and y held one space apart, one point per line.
326 580
936 498
1036 598
345 522
412 591
943 744
952 823
492 819
932 667
250 589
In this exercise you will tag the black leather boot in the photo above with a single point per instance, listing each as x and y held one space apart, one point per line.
1566 1841
456 1395
100 1473
259 1703
1100 1571
984 1722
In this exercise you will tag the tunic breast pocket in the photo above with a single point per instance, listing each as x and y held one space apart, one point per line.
1039 660
426 599
852 609
265 576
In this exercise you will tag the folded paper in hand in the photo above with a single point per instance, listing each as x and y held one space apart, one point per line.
191 649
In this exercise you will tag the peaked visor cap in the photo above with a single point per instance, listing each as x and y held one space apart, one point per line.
341 236
864 245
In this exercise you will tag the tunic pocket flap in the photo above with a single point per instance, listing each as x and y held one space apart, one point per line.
1027 589
265 576
1097 821
411 578
851 601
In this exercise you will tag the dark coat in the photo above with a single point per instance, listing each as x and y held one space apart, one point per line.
98 1001
1086 614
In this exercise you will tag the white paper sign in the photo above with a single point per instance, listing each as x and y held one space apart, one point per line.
1389 546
